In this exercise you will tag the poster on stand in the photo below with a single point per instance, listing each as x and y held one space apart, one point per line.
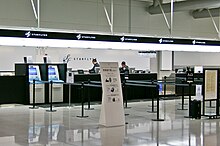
112 110
211 78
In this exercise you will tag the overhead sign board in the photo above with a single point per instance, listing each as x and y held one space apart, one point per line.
102 37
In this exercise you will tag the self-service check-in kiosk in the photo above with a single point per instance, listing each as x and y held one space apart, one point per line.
57 87
34 74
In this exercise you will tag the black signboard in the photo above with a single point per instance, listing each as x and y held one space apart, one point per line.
100 37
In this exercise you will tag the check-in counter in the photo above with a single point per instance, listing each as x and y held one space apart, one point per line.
95 93
181 78
14 89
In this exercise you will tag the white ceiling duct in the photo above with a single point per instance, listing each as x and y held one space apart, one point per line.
185 6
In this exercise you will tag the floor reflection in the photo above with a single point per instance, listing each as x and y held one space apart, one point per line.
22 126
112 136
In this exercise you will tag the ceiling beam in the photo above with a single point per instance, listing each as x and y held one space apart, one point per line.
205 14
185 6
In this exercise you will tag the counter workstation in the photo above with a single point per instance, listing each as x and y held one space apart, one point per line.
16 89
181 78
95 93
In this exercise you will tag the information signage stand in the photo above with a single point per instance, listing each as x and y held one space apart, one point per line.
211 91
112 110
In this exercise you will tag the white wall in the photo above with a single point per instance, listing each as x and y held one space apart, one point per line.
81 58
196 58
11 55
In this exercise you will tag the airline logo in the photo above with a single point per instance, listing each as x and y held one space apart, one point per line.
128 39
165 41
80 36
198 42
29 34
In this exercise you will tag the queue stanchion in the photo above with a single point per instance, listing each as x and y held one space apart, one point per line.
70 102
89 99
158 108
153 105
126 94
152 96
82 102
183 98
51 97
165 87
183 81
34 96
124 88
189 116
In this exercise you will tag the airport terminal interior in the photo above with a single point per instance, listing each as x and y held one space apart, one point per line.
109 73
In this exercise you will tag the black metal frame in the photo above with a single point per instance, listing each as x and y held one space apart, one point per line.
217 99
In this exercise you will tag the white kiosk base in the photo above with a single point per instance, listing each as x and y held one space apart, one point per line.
57 93
39 93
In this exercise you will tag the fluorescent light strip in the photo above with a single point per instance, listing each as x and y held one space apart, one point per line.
33 42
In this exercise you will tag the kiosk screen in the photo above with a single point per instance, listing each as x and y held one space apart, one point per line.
51 71
32 71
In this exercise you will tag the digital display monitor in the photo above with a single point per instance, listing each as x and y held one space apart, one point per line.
51 71
32 71
97 70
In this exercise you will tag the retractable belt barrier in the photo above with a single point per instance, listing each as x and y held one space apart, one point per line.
33 107
183 99
152 85
125 95
70 84
91 84
82 102
51 98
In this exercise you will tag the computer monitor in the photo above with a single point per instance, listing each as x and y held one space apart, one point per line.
97 70
34 73
53 73
131 69
80 71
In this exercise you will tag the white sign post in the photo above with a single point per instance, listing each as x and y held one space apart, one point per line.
112 110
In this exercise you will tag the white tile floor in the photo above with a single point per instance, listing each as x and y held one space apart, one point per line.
20 125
